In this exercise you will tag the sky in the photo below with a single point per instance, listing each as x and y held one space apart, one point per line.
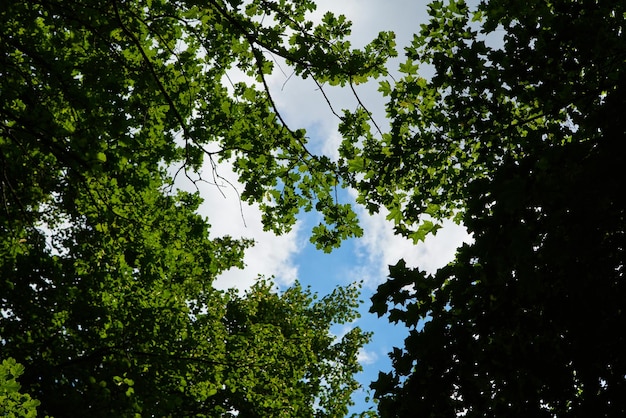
291 257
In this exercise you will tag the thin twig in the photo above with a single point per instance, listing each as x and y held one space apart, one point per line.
321 89
369 114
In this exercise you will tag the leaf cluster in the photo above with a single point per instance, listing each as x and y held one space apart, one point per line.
12 402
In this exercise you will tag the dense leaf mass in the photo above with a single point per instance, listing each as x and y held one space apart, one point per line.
508 117
106 270
521 132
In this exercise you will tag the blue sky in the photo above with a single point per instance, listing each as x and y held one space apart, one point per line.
352 263
291 257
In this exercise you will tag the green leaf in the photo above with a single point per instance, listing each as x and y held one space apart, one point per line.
356 165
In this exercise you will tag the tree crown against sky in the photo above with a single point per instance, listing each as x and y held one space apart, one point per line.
518 134
107 269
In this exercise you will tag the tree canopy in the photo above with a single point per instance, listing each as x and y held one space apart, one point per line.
107 269
520 134
106 291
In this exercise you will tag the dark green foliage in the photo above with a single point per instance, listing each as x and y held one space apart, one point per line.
521 132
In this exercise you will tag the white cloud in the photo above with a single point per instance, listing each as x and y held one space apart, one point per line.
380 247
270 256
365 357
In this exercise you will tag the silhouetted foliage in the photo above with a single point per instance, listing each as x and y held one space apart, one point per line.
521 133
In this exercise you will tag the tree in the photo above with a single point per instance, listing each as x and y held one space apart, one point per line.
520 135
106 268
